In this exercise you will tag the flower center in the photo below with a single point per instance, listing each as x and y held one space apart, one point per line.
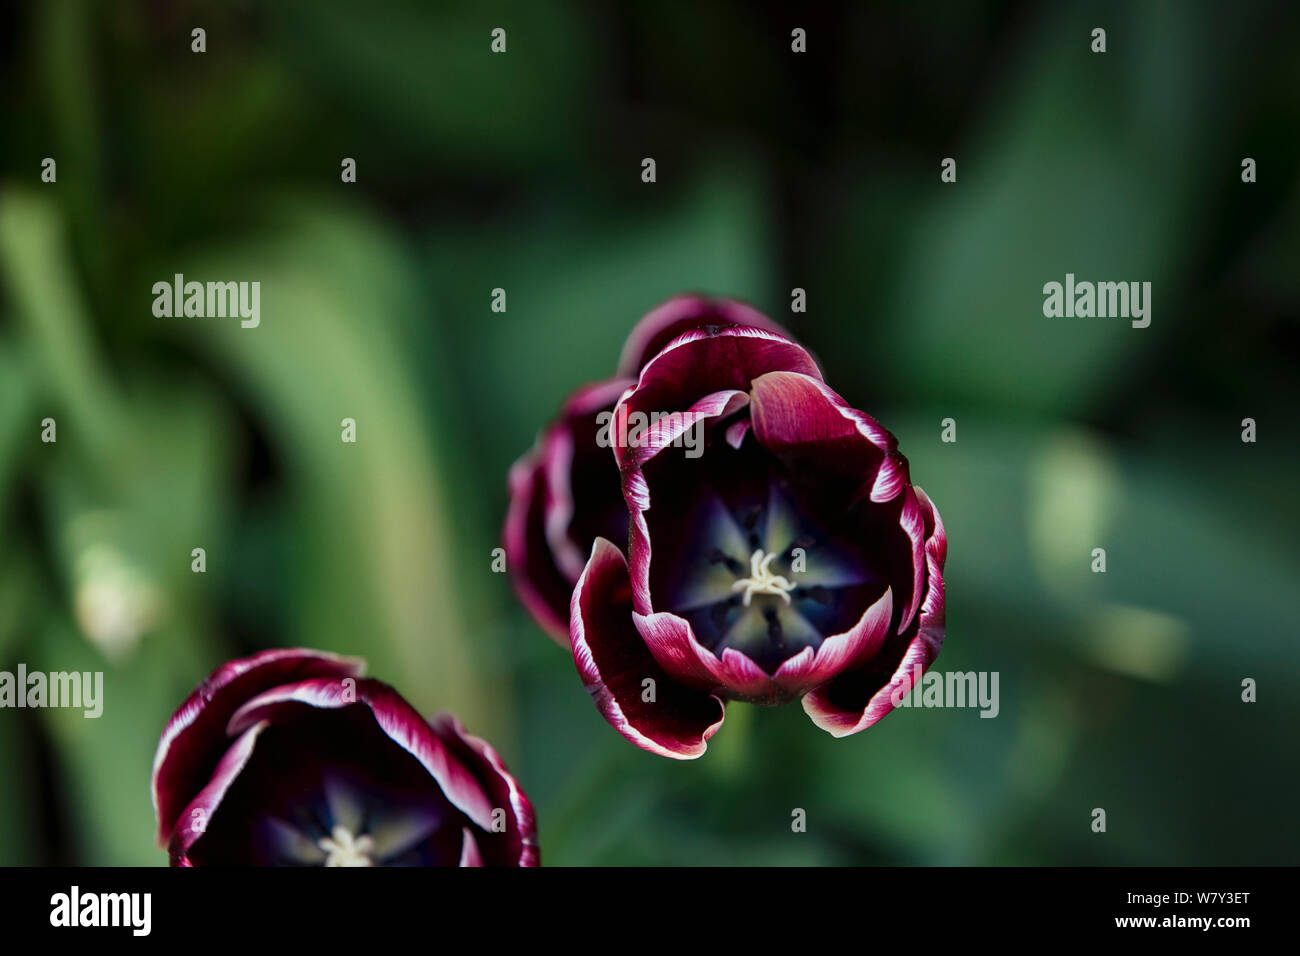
761 580
748 564
343 849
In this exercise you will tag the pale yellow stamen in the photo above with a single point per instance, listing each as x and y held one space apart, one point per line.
343 849
761 580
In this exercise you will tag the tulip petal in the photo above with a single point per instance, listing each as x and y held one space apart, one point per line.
571 450
680 314
709 360
673 643
671 640
195 738
517 846
643 444
802 421
398 720
936 539
469 852
538 581
745 680
855 700
614 663
547 528
858 698
840 652
193 820
912 521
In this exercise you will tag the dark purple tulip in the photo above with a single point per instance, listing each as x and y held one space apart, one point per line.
291 758
565 492
791 559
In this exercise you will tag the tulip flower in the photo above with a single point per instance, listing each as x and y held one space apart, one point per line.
792 559
291 757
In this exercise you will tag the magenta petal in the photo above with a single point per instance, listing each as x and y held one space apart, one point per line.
674 646
858 698
193 820
641 447
517 846
577 427
737 431
840 652
615 663
398 719
799 417
672 643
912 522
705 361
537 579
832 707
745 680
936 541
469 852
195 738
547 529
743 677
681 314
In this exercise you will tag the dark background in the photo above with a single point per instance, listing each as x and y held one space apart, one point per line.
775 170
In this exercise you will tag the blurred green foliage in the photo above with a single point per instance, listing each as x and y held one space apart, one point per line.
521 171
